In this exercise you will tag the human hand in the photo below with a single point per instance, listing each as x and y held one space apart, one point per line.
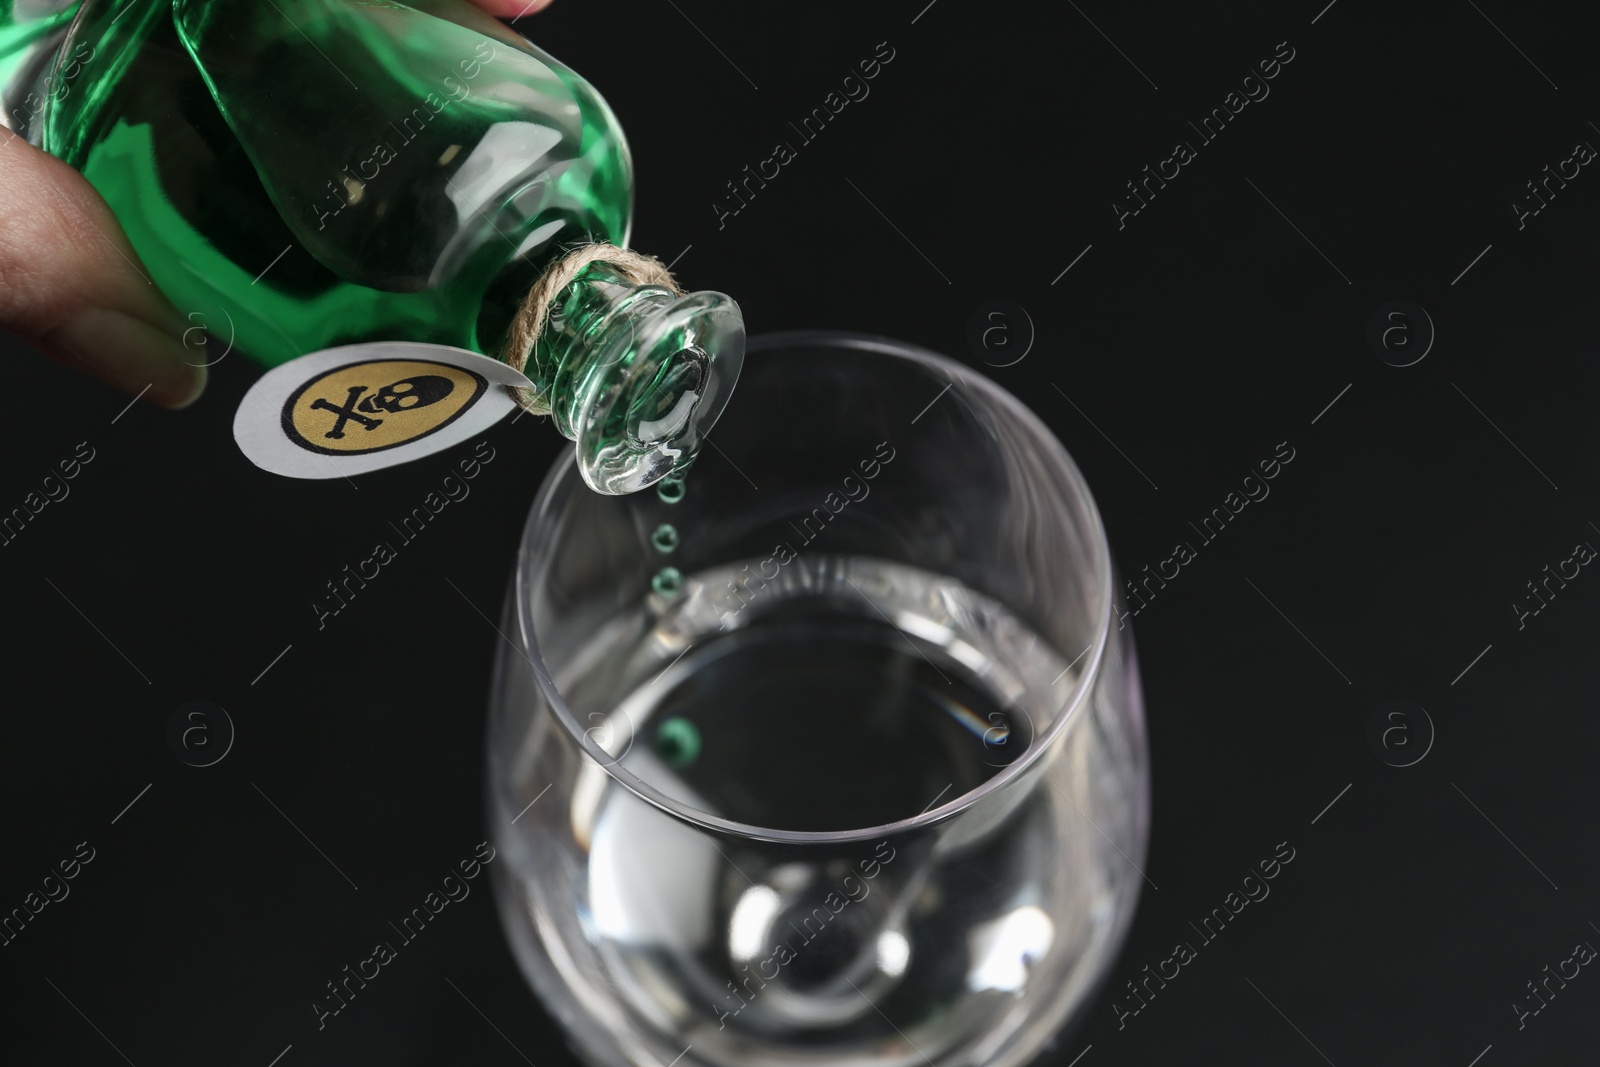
72 284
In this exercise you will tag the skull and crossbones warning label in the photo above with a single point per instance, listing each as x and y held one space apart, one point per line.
367 407
373 404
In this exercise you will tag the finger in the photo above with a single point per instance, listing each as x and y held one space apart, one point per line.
512 9
71 282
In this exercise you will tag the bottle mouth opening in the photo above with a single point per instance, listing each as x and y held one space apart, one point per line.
669 380
667 406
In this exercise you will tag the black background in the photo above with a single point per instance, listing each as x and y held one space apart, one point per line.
1197 338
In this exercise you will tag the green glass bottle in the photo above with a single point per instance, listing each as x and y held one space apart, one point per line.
301 174
22 23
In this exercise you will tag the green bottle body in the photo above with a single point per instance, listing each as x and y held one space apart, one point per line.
290 201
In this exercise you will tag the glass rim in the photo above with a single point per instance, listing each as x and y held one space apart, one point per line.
532 555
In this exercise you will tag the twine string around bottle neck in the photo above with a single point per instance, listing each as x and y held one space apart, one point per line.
534 313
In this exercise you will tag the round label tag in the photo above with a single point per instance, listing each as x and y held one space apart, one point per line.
362 407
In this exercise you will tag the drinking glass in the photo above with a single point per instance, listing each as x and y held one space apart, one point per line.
831 753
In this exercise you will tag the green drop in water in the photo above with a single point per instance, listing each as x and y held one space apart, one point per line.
678 742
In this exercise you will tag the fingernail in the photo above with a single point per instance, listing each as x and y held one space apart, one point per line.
131 355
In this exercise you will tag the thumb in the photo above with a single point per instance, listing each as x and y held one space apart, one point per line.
71 283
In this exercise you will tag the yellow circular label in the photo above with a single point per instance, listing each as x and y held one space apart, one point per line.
379 404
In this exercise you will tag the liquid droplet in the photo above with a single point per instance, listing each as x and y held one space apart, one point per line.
678 742
670 489
668 582
665 538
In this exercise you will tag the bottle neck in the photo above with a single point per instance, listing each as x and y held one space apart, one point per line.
635 375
